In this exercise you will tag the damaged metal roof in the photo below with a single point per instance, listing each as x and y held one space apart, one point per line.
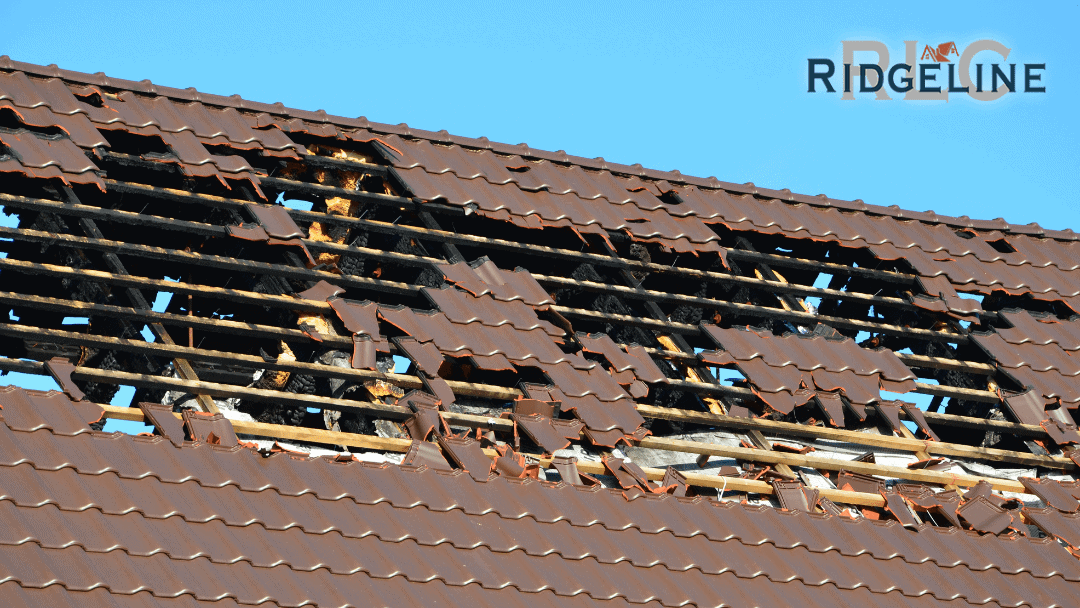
399 366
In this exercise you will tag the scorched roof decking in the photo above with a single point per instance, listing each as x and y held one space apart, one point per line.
403 367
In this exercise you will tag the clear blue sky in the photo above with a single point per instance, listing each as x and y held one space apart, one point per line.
709 89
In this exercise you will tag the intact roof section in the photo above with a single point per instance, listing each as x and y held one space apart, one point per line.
139 515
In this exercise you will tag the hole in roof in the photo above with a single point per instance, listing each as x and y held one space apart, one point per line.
520 169
147 334
75 321
293 203
671 197
965 234
161 300
8 221
401 365
93 98
1001 245
123 398
30 381
971 296
10 119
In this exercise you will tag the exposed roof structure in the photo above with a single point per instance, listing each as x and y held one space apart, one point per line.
399 367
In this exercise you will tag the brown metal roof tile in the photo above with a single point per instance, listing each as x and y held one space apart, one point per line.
898 507
427 454
462 308
859 482
360 318
1027 407
1062 526
833 406
1052 493
209 428
795 496
77 126
425 355
35 152
321 292
491 347
277 221
61 369
541 431
438 489
1040 330
943 504
635 358
809 353
1038 357
28 411
164 421
483 277
984 516
468 455
1049 385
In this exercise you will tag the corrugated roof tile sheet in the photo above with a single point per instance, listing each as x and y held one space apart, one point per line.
786 371
1045 367
177 520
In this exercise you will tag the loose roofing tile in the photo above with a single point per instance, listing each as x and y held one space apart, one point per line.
1047 368
61 369
941 503
1039 329
321 291
468 455
460 307
209 428
484 277
984 516
493 347
541 431
361 318
794 495
785 371
809 353
276 221
161 417
48 157
635 358
424 354
1054 493
1063 526
1030 407
427 454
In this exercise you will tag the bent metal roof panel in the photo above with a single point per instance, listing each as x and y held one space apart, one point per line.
384 366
